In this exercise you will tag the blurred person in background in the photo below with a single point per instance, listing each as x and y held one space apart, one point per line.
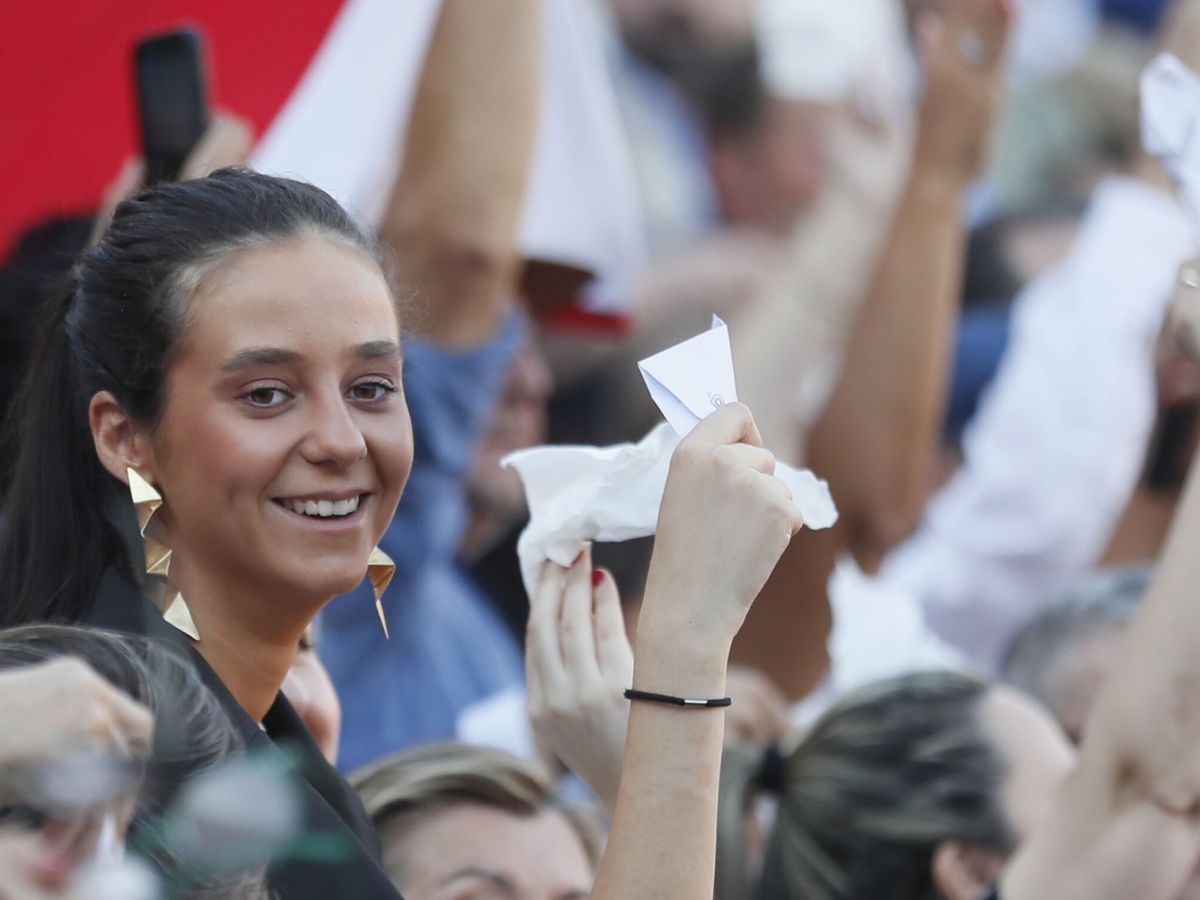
915 788
104 732
869 361
1062 654
458 820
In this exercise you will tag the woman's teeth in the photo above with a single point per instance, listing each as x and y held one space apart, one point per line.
323 508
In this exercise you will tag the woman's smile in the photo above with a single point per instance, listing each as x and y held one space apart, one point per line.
329 511
286 441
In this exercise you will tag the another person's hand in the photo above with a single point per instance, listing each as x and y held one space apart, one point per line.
759 714
963 44
724 522
579 663
227 141
63 709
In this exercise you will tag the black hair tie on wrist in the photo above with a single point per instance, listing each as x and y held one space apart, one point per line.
631 694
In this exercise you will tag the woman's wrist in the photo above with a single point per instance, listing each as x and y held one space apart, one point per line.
672 663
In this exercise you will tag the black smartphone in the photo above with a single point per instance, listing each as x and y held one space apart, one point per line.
172 100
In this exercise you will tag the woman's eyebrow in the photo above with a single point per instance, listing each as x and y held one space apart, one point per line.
259 356
379 349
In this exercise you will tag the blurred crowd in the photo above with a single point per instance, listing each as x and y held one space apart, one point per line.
288 609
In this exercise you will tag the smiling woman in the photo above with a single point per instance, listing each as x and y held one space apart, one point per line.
233 344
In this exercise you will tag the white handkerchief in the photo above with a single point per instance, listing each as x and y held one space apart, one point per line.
581 494
1171 123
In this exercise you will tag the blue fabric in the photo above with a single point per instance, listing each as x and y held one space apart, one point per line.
448 647
1145 15
982 338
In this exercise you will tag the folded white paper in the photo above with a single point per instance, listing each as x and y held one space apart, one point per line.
1171 124
581 494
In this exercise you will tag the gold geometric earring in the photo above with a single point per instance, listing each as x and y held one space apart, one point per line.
380 570
146 501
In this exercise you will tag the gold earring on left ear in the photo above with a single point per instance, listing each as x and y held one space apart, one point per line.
380 570
146 502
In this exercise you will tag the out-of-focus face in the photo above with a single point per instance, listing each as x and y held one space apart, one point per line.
520 422
1077 675
708 22
477 852
768 178
1036 751
310 690
285 441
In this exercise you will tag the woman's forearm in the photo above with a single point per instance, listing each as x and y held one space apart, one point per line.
663 841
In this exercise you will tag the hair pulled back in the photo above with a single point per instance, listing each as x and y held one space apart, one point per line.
116 328
884 777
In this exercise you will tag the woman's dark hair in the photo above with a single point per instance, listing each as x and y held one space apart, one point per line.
883 778
116 328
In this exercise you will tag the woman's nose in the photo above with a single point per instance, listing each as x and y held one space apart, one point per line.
333 438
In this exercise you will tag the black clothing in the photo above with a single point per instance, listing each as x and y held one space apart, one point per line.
329 805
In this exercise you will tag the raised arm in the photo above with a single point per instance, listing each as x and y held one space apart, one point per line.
877 438
453 216
724 522
1128 821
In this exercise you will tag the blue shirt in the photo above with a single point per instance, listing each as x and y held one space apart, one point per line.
448 647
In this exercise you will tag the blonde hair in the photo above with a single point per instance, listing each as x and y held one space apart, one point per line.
399 789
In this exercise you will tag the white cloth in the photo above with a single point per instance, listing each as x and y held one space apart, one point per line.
1170 116
878 632
1058 442
833 53
344 127
580 494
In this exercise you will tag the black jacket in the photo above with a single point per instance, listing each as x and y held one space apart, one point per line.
329 805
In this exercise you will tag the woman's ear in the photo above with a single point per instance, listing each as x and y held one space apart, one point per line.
120 443
964 872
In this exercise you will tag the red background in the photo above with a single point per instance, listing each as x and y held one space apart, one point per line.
67 116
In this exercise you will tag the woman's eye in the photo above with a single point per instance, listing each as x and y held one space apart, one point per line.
266 397
369 391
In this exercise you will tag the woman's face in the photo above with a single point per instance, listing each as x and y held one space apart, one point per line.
285 441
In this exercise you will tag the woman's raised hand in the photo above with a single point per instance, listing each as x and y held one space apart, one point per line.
578 663
724 522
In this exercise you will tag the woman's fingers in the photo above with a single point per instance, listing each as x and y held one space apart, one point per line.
758 459
578 641
612 643
731 424
543 654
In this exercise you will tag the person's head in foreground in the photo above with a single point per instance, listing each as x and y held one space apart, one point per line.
233 340
94 787
1062 655
916 788
468 823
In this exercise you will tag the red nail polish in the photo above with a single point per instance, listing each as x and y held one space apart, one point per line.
597 577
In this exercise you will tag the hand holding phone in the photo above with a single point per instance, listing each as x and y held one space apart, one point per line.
172 100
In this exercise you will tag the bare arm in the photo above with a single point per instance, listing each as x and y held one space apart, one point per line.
1128 821
877 439
706 570
454 212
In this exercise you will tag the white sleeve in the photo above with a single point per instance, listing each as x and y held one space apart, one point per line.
1057 445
